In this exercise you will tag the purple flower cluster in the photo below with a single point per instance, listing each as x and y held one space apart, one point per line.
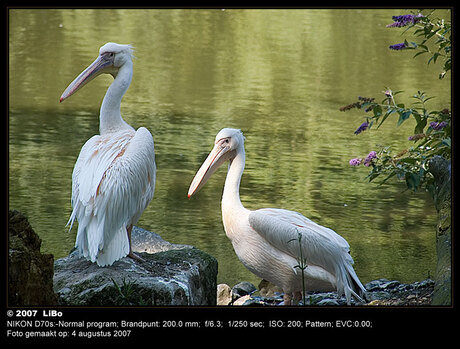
359 104
402 21
388 93
417 137
398 47
362 127
438 125
355 162
369 157
367 161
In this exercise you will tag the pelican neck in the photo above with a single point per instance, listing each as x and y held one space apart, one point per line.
231 195
110 115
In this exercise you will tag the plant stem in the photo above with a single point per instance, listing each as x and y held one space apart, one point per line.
302 267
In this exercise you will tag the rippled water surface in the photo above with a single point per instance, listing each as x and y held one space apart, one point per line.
279 75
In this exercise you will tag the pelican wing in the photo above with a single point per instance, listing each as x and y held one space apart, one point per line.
112 183
300 237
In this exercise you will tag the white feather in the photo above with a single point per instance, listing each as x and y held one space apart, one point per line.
113 182
319 246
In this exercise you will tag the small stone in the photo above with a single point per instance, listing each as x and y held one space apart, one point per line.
258 302
375 284
389 285
224 294
403 287
242 289
241 300
328 301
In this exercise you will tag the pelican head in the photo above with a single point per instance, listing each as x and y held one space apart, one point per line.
111 58
229 142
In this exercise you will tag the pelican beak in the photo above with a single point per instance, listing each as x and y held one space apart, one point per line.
100 65
219 154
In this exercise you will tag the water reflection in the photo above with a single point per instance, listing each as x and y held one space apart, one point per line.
279 75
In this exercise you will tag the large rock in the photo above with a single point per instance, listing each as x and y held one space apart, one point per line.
169 275
30 273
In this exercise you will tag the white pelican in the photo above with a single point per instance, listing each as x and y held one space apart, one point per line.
113 179
267 240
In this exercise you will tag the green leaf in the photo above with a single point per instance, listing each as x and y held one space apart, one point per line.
423 47
388 177
377 111
412 180
387 114
408 160
446 142
447 65
419 53
404 116
421 122
420 126
434 58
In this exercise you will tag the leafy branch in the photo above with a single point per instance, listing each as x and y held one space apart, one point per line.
431 136
432 132
427 29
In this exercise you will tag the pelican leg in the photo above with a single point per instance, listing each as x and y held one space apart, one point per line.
297 297
291 298
287 297
131 253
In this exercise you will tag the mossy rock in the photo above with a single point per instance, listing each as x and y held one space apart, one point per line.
180 275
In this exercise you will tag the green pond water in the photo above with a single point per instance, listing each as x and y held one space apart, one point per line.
278 75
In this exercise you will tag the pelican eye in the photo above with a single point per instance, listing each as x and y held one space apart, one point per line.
223 141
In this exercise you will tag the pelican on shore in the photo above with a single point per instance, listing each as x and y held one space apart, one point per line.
113 179
272 243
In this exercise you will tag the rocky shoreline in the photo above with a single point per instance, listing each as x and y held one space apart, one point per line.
171 275
381 292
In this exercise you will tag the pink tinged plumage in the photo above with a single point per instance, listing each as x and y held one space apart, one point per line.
113 180
265 240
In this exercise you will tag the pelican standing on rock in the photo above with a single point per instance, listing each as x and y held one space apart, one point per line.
113 179
267 240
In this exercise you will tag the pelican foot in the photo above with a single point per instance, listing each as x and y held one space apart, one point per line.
135 257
